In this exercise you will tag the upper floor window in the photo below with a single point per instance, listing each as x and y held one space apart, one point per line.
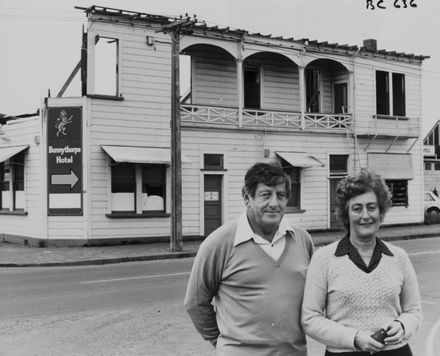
12 195
390 94
106 66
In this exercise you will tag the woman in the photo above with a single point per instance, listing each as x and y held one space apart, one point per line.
360 284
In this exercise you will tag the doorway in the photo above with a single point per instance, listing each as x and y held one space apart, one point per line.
212 202
340 104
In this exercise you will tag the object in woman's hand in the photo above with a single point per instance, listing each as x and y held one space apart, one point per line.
380 335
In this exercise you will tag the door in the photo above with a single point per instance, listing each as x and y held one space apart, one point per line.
213 199
252 86
340 98
334 223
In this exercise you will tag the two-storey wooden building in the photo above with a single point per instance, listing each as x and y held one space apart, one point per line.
96 168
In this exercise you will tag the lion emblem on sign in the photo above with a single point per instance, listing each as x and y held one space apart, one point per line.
62 121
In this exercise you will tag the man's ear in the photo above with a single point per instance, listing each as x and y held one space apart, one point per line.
245 195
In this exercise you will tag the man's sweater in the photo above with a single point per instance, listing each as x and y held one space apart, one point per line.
340 298
257 299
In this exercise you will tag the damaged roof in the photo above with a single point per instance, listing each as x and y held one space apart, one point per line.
202 26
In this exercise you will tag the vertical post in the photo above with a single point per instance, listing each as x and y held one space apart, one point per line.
302 95
176 157
240 91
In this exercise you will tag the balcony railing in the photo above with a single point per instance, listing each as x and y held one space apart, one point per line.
224 117
263 118
327 121
209 115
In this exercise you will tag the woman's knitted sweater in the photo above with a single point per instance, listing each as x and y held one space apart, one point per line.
340 298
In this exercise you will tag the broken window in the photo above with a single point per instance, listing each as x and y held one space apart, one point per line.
106 66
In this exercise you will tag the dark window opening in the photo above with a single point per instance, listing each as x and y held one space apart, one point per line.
398 94
123 178
295 187
340 91
399 191
251 78
153 187
382 93
338 165
213 161
312 90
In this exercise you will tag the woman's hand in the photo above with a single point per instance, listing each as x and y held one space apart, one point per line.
395 333
364 342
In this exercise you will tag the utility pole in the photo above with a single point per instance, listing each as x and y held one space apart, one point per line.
175 28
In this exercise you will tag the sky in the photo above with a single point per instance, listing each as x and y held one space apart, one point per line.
40 40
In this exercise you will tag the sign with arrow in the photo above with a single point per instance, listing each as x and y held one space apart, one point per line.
63 179
64 160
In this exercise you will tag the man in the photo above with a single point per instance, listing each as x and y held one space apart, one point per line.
254 268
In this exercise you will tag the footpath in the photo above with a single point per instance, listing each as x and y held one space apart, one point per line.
13 255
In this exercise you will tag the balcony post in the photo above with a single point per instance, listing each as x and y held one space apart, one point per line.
240 91
302 95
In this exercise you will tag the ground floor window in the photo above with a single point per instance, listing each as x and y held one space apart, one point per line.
12 195
399 190
138 188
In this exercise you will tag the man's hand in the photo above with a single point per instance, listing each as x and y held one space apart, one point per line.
364 342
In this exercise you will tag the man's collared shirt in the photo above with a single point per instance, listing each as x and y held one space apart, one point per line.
274 249
345 247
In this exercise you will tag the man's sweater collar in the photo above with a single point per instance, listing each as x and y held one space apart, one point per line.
244 231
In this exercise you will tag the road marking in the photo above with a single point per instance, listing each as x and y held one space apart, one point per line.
133 278
426 302
430 340
423 253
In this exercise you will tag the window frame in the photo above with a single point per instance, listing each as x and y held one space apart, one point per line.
390 94
138 194
13 164
97 84
208 167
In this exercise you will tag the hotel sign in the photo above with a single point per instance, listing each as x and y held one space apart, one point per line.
428 151
64 160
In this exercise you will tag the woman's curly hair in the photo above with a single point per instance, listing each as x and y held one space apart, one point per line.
359 183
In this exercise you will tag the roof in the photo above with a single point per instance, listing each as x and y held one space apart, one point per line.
201 26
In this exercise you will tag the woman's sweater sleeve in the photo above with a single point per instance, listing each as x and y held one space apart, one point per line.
314 322
411 316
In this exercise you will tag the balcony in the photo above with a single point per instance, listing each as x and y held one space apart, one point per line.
397 127
272 120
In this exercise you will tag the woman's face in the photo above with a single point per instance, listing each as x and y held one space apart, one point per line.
364 216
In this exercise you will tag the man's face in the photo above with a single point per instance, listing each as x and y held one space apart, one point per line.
266 209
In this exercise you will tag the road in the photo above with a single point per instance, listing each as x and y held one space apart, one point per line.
136 308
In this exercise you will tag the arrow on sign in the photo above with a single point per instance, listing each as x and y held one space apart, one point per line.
71 179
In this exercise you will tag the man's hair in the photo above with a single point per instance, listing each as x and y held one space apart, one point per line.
270 174
357 184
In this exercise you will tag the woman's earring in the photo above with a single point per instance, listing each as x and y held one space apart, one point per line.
381 219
